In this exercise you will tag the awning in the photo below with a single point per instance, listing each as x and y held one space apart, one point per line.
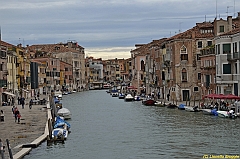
8 93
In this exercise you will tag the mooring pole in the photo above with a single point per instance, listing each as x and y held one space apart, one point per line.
9 149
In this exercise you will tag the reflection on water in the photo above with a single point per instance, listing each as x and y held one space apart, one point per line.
107 127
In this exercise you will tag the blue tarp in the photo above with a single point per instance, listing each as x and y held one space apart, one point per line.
181 106
214 112
60 123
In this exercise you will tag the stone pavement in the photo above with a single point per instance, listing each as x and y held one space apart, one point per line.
31 126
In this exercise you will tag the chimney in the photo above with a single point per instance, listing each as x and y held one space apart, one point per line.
238 15
229 20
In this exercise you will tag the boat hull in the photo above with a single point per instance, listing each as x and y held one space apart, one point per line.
149 102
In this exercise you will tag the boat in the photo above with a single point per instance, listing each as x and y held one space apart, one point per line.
159 104
65 93
58 94
181 106
171 106
207 111
121 96
191 109
148 102
223 114
128 98
61 123
114 94
137 98
65 113
60 133
61 128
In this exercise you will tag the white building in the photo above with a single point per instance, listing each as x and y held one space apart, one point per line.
228 62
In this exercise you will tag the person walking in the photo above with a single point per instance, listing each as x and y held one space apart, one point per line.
30 104
19 117
22 102
16 112
1 149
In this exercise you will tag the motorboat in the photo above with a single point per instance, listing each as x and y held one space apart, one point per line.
60 133
171 106
61 128
58 94
61 123
65 113
182 106
121 96
128 98
148 102
159 104
223 114
207 111
114 94
137 98
65 93
191 109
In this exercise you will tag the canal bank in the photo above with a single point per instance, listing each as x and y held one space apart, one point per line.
30 132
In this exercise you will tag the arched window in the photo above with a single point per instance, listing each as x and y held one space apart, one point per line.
183 52
142 66
184 75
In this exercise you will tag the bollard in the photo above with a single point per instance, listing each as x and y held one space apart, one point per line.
9 149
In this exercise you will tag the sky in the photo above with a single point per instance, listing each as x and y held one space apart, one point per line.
105 28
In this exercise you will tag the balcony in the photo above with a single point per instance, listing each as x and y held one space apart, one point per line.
234 56
207 51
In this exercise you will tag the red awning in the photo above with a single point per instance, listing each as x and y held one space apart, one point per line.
222 96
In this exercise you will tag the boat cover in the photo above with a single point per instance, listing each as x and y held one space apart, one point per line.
181 106
214 112
59 123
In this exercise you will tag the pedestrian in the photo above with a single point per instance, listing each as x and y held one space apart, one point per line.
19 117
1 116
19 100
13 100
30 104
2 149
168 96
9 101
22 102
16 112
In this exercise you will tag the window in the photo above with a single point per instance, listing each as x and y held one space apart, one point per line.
209 43
221 28
184 75
226 48
198 57
195 89
199 76
227 69
183 52
199 44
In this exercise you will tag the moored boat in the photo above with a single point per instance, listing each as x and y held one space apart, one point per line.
159 104
128 98
121 96
191 109
172 106
65 113
148 102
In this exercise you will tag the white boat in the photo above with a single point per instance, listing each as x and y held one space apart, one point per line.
223 114
60 133
207 111
65 113
58 94
160 104
115 94
129 97
191 109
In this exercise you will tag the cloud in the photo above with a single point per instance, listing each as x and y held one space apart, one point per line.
104 23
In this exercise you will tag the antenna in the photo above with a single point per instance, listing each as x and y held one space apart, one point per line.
234 9
227 9
216 9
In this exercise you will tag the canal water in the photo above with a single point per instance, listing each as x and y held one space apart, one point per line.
105 127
